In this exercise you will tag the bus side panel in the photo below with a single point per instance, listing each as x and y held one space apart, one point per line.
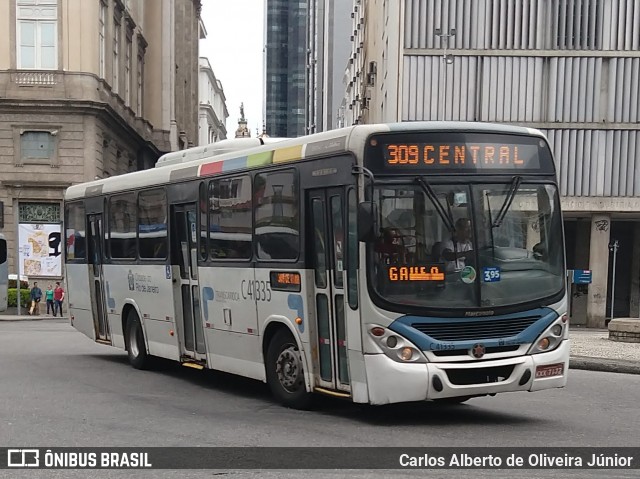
286 306
228 297
149 288
235 353
79 299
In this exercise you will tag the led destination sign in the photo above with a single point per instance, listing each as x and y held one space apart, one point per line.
415 273
461 156
430 152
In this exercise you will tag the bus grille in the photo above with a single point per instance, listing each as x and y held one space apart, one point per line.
475 330
488 350
465 377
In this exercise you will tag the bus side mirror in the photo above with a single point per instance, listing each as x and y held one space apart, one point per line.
367 222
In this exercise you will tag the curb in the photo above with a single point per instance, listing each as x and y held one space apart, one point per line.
31 318
623 366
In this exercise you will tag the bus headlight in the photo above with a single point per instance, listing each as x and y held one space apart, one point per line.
396 347
551 338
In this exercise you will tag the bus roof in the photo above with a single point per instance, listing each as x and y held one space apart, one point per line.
209 160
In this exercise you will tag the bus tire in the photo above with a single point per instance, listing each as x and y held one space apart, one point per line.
136 347
285 371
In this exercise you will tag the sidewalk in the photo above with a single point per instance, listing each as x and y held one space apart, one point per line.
11 314
590 348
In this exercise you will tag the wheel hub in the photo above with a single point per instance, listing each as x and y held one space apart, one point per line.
288 368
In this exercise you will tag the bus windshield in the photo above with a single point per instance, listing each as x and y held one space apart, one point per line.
467 246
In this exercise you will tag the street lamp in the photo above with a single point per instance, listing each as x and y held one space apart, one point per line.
447 59
17 226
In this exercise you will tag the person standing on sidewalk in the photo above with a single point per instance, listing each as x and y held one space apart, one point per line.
48 295
58 297
36 296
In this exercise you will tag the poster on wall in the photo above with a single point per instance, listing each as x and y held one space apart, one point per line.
40 249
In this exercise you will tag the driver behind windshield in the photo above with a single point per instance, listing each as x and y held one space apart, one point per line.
456 249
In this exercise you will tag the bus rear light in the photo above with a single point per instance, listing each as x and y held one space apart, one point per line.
565 318
392 341
557 329
377 331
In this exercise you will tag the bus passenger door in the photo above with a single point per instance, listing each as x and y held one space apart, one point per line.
326 240
96 235
185 252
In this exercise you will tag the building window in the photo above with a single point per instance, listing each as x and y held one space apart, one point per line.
127 70
102 32
116 54
37 146
37 34
140 82
39 213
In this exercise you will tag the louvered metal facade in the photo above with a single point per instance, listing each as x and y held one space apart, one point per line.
570 68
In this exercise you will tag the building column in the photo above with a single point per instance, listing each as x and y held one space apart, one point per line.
579 292
634 301
599 264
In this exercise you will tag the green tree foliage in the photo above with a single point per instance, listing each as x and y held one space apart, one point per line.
12 295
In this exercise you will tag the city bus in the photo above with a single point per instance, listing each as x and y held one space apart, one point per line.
335 263
4 273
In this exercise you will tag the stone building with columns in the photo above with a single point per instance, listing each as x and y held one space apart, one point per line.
569 68
88 89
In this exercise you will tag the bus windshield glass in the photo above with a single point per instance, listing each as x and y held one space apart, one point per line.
488 245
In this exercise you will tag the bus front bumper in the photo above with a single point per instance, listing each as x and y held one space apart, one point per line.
392 382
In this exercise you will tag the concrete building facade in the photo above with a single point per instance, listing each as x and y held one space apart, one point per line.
567 67
213 115
88 89
328 40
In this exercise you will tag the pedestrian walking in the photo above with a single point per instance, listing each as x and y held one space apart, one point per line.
48 295
36 296
58 298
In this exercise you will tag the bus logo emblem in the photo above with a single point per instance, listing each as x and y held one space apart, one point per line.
477 351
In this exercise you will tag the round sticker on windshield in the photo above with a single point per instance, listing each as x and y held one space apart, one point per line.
468 274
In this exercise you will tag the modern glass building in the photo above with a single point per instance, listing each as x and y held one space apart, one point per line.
285 67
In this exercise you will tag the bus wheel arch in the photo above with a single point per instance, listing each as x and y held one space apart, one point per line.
285 366
134 338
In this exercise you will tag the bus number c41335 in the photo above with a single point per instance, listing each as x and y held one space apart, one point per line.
256 289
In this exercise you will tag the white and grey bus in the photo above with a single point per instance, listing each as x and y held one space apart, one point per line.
332 263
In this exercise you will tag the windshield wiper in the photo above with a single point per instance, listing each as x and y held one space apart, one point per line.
515 184
446 219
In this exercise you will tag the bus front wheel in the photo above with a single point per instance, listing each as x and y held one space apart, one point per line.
136 347
285 371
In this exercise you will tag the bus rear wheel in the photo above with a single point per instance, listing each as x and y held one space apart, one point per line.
136 348
285 371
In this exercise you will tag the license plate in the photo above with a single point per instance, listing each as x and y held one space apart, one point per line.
550 370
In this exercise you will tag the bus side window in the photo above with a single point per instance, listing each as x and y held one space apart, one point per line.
352 250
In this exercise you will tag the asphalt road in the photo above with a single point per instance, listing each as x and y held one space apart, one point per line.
57 388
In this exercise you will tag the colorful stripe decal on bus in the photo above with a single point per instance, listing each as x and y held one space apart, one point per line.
234 164
184 173
211 168
260 159
287 154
